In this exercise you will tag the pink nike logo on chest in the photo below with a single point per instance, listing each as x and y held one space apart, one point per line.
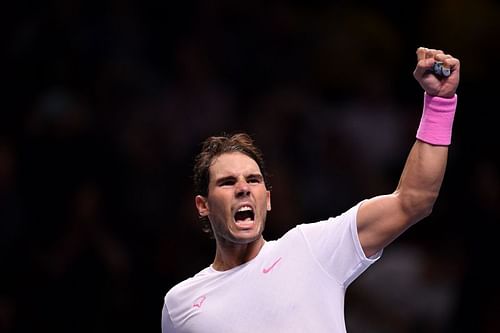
266 270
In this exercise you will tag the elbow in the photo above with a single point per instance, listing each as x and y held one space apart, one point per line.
426 211
417 205
426 204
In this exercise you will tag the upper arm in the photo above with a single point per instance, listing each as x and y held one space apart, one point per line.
380 220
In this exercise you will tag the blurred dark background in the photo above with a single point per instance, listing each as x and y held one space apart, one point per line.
105 104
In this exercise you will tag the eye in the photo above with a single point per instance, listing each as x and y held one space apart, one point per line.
227 182
254 180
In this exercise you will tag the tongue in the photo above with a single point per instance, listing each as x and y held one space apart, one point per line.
243 221
245 216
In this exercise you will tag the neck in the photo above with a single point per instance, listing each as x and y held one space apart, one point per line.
230 255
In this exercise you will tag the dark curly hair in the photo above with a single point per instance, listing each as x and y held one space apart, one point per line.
215 146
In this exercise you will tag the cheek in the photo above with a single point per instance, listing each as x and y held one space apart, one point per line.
219 207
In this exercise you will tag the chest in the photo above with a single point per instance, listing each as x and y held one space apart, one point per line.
276 292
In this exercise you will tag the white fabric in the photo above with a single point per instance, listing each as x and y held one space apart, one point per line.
295 284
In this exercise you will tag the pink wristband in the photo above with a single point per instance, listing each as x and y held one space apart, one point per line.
437 120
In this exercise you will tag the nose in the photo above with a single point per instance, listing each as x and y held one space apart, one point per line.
242 189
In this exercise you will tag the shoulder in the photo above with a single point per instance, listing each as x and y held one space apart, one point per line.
184 288
181 299
344 221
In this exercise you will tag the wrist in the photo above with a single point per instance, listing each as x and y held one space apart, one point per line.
437 119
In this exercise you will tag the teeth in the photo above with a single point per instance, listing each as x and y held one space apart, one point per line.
244 214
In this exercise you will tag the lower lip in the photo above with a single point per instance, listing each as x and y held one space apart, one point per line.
245 224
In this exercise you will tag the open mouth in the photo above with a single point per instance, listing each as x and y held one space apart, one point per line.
244 214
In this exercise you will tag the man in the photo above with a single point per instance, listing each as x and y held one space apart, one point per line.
298 282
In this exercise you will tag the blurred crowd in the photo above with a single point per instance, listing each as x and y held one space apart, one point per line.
106 104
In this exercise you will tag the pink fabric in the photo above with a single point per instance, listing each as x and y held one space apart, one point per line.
437 120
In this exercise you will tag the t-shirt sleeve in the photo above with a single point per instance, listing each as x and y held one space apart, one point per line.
166 322
335 245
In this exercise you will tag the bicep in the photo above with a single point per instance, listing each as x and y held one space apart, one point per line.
380 220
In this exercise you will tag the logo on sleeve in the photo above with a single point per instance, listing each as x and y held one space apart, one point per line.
199 301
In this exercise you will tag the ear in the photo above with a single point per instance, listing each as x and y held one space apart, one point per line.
268 200
201 205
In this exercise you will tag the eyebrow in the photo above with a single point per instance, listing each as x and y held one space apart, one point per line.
223 179
226 178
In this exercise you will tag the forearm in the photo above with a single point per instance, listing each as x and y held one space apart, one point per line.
421 179
425 167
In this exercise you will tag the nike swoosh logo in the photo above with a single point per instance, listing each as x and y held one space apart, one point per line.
266 270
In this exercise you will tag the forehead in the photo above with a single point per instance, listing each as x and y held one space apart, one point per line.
233 164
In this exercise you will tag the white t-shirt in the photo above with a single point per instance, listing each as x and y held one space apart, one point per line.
295 284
